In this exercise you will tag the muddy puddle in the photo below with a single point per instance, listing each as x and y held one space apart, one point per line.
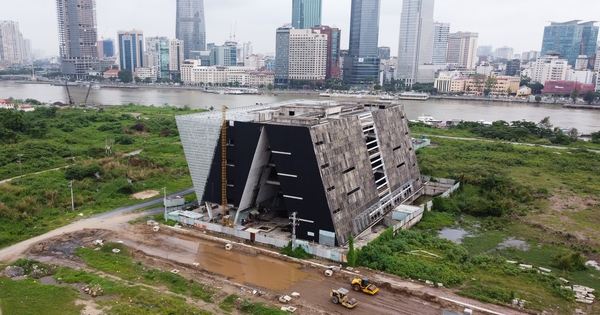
512 242
455 235
261 270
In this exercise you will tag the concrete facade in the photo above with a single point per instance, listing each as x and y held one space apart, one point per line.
344 166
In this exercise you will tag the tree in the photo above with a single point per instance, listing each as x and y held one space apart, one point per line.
137 79
573 134
538 98
351 256
536 88
490 84
575 95
525 80
596 137
589 97
125 76
147 80
270 87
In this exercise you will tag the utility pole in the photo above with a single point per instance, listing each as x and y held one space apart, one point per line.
72 200
20 166
165 201
295 223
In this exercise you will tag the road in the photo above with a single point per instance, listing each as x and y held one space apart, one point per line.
112 220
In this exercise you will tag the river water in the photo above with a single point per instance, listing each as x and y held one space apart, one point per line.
585 121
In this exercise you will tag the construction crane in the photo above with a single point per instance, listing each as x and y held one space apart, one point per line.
224 167
69 93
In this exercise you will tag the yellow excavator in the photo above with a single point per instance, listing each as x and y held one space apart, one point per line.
364 285
340 296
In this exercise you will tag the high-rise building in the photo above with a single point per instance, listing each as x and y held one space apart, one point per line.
384 52
513 67
440 43
225 55
306 13
462 49
78 36
11 44
191 26
308 55
108 46
361 66
176 53
131 49
570 39
485 51
549 68
415 45
334 36
282 55
504 52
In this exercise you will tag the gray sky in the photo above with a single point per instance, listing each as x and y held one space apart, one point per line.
514 23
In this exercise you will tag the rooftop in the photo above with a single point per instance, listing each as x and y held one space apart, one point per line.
298 112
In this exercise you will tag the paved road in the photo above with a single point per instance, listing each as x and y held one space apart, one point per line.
513 143
111 220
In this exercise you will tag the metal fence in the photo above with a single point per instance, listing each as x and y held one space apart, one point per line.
311 248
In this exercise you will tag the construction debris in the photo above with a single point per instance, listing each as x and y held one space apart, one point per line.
116 250
285 299
13 271
584 294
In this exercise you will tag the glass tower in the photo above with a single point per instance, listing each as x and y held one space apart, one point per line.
191 27
306 13
361 66
570 39
131 50
415 45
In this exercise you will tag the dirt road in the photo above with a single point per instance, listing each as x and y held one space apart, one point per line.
113 220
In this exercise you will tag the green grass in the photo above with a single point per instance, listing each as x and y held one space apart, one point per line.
124 267
130 297
433 220
261 309
35 204
29 297
228 303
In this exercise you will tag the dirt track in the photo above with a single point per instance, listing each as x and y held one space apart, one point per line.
168 249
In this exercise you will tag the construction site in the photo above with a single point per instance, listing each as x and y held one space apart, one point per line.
340 168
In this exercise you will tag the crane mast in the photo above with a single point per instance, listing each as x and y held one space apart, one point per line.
224 167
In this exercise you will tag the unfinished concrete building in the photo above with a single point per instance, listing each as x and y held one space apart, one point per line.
78 37
343 166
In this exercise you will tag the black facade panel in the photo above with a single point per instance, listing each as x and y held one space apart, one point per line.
308 184
245 139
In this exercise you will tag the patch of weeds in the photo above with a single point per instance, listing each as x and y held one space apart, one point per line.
228 303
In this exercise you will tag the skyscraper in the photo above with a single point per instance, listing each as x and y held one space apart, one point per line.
570 39
415 45
462 49
78 36
306 13
308 55
334 36
440 43
282 55
361 66
131 49
190 26
11 44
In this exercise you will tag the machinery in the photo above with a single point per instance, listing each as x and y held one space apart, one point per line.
364 285
340 296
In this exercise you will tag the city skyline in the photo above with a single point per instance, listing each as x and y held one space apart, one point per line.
257 27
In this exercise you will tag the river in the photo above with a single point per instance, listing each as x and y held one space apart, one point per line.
586 121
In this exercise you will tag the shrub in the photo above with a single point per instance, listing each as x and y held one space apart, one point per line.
124 139
570 261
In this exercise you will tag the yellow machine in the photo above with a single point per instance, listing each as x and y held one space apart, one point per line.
340 296
364 285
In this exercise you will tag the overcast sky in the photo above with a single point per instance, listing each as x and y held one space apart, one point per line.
514 23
